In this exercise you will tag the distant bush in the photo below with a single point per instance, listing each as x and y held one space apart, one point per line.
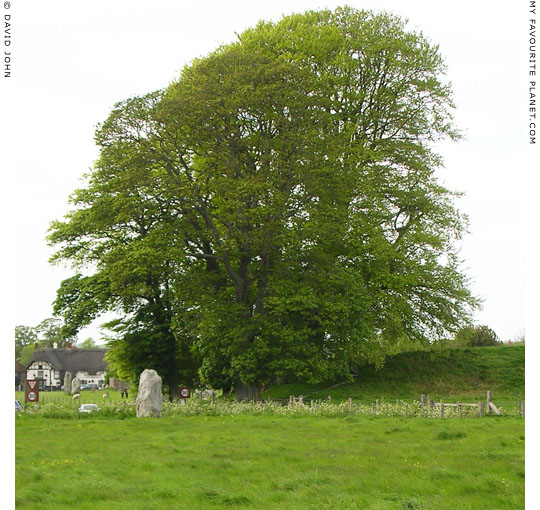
476 336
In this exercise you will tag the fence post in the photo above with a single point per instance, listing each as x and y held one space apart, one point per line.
377 404
422 400
301 399
480 408
442 409
406 410
397 404
488 400
350 404
522 409
371 408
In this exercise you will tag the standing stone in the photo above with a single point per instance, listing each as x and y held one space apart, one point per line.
149 395
75 386
67 383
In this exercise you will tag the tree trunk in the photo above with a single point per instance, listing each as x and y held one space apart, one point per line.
245 392
174 389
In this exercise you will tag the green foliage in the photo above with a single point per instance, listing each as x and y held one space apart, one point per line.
476 336
26 353
146 341
278 204
45 334
80 300
50 333
89 343
24 337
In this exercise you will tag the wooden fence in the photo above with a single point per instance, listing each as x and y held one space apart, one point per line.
426 403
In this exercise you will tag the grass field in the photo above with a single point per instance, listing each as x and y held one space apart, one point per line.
269 462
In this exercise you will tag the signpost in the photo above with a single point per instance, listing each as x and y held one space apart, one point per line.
31 391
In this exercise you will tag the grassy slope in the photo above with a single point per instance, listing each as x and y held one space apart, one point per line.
269 462
457 374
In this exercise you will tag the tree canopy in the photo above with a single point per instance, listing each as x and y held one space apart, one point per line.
274 212
48 332
476 336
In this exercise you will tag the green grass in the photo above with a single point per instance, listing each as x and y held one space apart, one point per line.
454 375
269 462
87 397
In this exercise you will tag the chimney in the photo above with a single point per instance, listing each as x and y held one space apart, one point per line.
69 345
55 345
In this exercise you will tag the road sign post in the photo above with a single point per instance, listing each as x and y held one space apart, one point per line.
31 391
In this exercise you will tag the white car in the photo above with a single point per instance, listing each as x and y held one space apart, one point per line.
88 408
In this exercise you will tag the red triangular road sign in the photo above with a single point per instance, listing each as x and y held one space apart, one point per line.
32 385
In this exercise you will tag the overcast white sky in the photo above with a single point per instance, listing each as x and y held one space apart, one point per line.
71 61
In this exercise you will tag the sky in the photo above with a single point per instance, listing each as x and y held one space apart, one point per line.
72 61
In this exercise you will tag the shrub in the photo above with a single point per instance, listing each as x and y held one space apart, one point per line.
476 336
194 407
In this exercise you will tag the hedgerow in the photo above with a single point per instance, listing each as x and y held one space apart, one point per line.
194 407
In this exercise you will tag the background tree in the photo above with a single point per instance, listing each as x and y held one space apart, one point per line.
277 204
476 336
89 343
519 337
48 332
24 336
26 354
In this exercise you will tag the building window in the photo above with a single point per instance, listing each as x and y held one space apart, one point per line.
40 374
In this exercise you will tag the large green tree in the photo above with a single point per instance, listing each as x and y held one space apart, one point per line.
117 228
296 224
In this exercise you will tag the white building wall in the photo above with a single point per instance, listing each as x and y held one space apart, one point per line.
44 371
87 378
